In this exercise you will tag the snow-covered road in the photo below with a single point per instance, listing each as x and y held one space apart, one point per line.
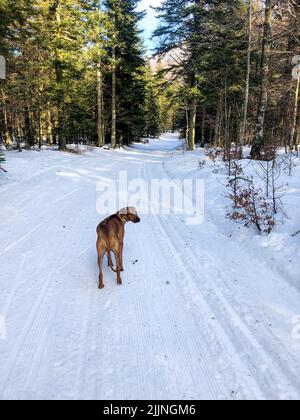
198 317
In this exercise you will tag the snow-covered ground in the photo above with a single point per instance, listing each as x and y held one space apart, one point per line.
205 312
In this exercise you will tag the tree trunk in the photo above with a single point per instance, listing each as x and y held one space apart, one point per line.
28 127
217 131
49 127
259 140
100 125
62 144
114 101
40 131
100 120
192 124
187 123
7 133
246 104
298 137
59 82
295 115
203 127
192 112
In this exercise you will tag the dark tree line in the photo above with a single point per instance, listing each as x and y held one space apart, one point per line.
76 73
234 61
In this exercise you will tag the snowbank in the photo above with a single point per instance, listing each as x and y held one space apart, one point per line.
280 249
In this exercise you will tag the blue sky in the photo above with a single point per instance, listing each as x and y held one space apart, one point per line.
149 23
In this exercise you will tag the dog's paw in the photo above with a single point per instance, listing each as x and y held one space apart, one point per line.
101 286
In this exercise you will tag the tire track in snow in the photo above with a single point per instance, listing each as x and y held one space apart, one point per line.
76 342
158 340
29 179
26 236
31 202
189 372
14 287
38 325
17 203
198 300
11 361
271 360
173 370
45 366
125 350
273 348
233 319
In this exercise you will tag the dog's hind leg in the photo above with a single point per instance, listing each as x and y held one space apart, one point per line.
121 256
118 261
110 262
101 252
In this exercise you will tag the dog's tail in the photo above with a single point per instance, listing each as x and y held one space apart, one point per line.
110 263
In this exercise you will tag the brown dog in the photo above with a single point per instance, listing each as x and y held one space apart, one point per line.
111 234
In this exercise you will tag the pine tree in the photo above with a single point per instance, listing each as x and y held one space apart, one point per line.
179 30
76 72
152 106
205 40
127 72
64 40
185 59
97 39
14 34
259 140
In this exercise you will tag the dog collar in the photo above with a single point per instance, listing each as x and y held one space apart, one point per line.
122 218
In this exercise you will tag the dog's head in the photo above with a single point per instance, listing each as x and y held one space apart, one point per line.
129 214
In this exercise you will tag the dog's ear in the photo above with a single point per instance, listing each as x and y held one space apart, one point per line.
123 211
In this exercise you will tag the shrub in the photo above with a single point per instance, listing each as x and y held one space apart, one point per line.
250 207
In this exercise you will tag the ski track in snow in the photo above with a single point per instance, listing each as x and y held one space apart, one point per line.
223 309
180 327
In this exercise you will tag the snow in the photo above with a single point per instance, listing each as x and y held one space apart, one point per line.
205 312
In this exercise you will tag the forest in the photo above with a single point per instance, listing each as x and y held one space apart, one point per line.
149 198
76 73
221 73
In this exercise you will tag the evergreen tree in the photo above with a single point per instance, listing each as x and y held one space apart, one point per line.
64 41
259 140
152 106
76 72
206 39
97 26
128 85
179 31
